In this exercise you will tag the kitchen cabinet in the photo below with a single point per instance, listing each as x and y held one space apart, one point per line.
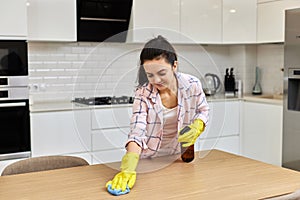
205 22
223 129
60 132
110 128
152 18
13 23
239 21
201 21
99 134
270 20
262 132
53 20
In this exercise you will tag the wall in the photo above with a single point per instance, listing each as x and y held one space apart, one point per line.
63 71
270 59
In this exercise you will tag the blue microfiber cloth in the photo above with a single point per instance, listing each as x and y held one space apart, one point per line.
117 192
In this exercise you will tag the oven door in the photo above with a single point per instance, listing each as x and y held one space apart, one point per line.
14 129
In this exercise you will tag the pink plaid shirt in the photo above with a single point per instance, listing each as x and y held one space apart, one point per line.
146 127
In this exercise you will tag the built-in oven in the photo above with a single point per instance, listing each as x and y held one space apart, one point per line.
15 123
14 100
13 58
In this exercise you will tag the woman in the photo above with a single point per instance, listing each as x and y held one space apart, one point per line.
165 102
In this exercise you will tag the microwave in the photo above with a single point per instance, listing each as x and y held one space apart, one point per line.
103 20
13 58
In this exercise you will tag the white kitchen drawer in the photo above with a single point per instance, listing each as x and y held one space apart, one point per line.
111 117
108 156
109 139
61 132
224 119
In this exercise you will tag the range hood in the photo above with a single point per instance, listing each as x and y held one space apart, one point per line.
103 20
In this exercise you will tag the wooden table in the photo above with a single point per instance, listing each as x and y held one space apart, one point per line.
218 175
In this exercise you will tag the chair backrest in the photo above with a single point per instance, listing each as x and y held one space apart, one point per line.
43 163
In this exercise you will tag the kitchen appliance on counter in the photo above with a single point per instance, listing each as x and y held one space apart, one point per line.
257 87
212 84
99 20
291 100
14 100
106 100
229 83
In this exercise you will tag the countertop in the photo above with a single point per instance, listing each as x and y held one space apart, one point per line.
68 105
212 175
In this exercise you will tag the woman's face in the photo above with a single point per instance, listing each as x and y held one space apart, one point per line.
161 73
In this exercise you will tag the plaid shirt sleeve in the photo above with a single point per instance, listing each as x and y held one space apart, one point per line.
202 108
138 122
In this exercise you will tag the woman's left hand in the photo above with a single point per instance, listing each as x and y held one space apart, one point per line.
189 138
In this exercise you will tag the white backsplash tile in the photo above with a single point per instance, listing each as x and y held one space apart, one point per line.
68 70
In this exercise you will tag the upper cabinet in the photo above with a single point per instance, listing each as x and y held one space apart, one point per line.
13 19
189 21
53 20
270 19
201 21
152 18
239 21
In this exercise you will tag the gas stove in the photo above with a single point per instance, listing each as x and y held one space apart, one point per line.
106 100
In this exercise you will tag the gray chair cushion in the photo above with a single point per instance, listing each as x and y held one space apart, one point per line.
43 163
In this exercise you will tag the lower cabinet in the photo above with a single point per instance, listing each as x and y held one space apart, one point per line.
229 144
108 145
97 135
250 129
262 132
110 128
61 132
107 156
223 129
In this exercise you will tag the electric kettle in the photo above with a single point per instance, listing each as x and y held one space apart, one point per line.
212 84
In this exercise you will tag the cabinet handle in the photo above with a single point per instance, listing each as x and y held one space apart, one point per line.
2 105
102 19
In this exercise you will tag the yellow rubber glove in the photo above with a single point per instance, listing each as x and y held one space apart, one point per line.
189 138
127 176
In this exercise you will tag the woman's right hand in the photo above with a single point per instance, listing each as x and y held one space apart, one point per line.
122 180
127 176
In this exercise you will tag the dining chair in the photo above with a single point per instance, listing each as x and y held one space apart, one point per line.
43 163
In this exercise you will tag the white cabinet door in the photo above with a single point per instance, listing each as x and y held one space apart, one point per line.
223 130
64 132
156 17
270 20
114 117
53 20
201 21
239 21
108 156
109 139
229 144
13 15
224 119
261 137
